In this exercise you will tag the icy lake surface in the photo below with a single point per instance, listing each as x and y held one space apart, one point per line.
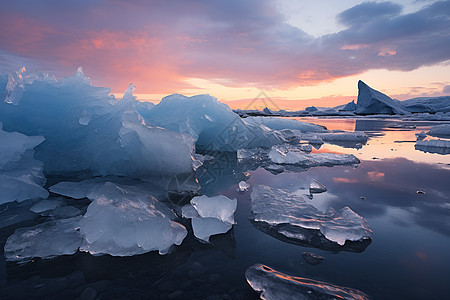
402 192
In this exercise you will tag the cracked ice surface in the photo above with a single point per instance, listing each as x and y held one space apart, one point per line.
124 221
53 238
277 207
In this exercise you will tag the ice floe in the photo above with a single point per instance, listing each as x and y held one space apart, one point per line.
276 285
210 215
283 213
433 146
49 239
442 131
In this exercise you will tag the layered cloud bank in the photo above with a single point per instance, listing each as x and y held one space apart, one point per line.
237 43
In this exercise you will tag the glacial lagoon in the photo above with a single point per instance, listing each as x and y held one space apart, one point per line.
401 192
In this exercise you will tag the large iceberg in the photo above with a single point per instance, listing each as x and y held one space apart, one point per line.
87 130
212 124
210 215
49 239
123 221
21 176
289 215
371 101
279 286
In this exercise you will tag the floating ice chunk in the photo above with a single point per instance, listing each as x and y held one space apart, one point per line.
371 101
280 286
219 207
21 176
427 104
312 258
212 124
205 227
53 238
87 130
210 215
243 186
440 131
288 212
76 190
433 146
316 187
280 123
124 221
45 205
421 135
291 156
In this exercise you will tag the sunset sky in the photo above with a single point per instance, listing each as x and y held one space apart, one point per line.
236 49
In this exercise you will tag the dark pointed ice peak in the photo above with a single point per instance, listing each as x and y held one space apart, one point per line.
371 101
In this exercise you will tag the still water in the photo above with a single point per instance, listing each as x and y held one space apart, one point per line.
409 257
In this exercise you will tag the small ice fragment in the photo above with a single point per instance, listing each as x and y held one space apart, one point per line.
312 258
188 212
243 186
420 192
421 135
316 187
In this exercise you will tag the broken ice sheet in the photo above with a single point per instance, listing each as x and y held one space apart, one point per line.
125 221
433 146
46 240
279 286
289 217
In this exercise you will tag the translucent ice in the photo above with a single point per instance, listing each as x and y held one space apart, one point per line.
210 215
87 130
243 186
124 221
278 208
53 238
219 207
212 124
45 205
276 285
21 176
